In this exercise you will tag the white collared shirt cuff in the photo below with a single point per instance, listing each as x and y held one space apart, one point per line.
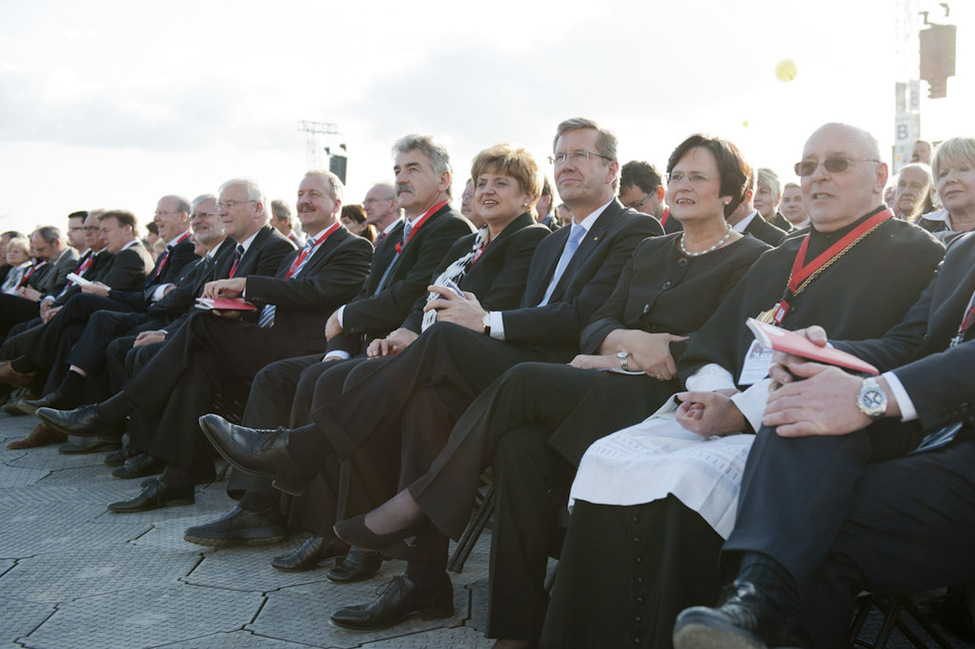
159 292
908 411
709 378
497 325
337 355
752 402
339 315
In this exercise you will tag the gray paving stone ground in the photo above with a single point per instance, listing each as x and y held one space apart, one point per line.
73 574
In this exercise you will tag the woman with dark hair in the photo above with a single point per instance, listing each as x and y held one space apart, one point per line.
669 288
354 220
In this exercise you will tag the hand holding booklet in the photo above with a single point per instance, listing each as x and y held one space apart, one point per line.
224 304
788 342
78 279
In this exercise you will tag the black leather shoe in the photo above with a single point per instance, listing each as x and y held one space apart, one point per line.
354 532
139 466
30 406
746 619
264 452
240 527
83 421
310 553
156 494
117 457
402 598
357 565
86 445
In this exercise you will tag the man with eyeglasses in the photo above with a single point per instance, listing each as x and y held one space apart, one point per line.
838 276
216 352
425 389
641 190
747 220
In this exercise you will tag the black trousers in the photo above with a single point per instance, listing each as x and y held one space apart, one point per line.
14 310
909 528
208 354
796 492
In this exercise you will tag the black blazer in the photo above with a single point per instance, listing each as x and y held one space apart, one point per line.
376 314
263 257
127 269
585 285
181 255
57 277
764 231
330 278
498 277
189 285
782 223
938 379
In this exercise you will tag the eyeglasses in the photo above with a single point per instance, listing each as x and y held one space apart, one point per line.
229 205
638 204
694 178
576 156
834 165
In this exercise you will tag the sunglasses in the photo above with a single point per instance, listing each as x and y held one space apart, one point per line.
835 165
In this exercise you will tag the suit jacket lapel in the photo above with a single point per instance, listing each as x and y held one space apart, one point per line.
586 246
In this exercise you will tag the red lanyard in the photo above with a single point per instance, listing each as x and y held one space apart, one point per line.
307 250
663 219
802 273
416 226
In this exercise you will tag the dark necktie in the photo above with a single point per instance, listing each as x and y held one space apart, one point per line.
238 253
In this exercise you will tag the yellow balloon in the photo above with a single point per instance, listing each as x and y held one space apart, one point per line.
745 123
785 70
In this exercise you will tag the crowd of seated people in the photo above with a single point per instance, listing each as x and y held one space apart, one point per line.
591 351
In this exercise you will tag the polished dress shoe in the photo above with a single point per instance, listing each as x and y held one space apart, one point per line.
117 457
746 619
264 452
11 376
86 445
83 421
310 553
30 406
354 532
357 565
240 527
42 435
156 494
402 598
139 466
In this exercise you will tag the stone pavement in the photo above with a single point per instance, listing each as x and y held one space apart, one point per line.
73 574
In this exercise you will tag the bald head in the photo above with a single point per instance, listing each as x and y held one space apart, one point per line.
837 198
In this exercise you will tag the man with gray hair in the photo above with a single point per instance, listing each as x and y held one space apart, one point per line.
913 196
220 348
54 261
284 222
426 387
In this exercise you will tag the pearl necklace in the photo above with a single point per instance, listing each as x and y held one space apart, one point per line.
724 239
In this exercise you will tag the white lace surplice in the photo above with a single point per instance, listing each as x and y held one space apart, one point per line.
657 457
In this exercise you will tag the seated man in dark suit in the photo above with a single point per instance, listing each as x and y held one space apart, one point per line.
401 270
212 351
426 387
47 245
127 269
747 220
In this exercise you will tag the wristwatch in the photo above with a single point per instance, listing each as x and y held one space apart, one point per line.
872 400
623 364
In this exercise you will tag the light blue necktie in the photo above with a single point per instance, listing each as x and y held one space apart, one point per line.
575 238
267 314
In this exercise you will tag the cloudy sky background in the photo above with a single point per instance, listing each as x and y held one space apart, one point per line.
106 103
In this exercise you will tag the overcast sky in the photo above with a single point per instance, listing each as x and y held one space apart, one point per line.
106 103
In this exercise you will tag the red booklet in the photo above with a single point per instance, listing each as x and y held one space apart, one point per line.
224 304
783 340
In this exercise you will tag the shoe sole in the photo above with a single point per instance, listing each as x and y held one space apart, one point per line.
701 636
426 614
239 542
178 502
